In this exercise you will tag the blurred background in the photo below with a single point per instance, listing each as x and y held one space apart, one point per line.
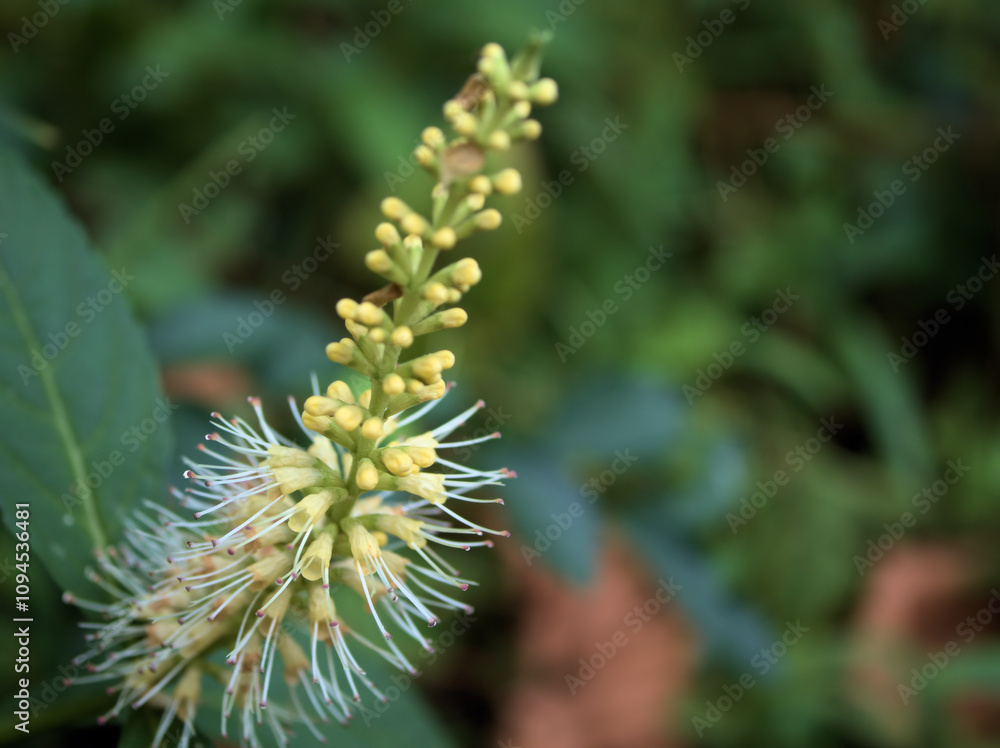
738 332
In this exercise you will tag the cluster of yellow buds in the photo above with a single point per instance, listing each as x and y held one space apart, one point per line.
278 528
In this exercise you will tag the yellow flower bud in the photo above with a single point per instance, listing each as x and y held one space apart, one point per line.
377 335
422 456
436 292
517 90
522 109
492 49
339 353
378 261
347 307
466 273
432 137
498 141
396 461
453 109
369 314
508 182
423 155
349 417
476 201
365 399
320 406
402 336
544 92
432 391
426 368
465 124
413 223
444 238
394 208
341 391
531 129
393 385
451 318
446 358
489 219
367 475
480 184
386 233
371 429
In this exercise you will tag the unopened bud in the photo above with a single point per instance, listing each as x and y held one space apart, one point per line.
489 219
386 234
508 182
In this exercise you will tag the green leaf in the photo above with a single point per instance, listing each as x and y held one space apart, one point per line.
733 631
86 431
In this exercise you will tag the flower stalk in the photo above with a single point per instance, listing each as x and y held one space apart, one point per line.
278 529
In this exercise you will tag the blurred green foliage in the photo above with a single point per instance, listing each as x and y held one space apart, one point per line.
656 110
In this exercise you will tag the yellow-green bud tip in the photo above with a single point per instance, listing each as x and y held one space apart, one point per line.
545 92
378 261
508 182
413 223
346 308
386 234
454 318
432 137
394 208
499 141
489 219
444 238
402 336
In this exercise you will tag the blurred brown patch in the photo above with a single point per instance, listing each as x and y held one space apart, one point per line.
916 597
556 701
210 385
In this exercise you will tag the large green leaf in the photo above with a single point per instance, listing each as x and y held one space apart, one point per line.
86 430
